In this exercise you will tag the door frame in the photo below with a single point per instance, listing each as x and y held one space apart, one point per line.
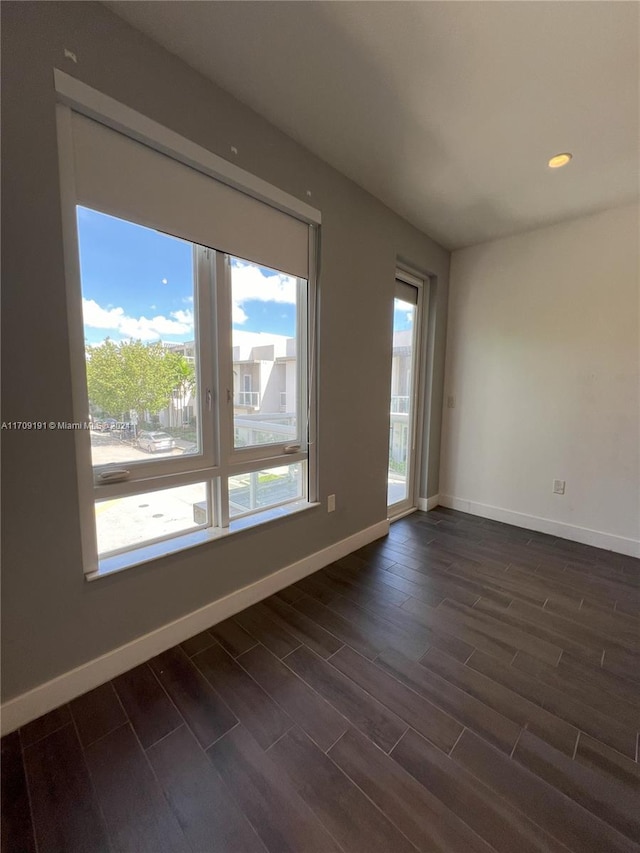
416 421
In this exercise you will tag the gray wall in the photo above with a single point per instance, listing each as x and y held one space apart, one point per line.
52 619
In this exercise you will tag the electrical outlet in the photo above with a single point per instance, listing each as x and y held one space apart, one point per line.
331 503
558 487
451 402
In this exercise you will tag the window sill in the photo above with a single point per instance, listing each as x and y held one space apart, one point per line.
149 553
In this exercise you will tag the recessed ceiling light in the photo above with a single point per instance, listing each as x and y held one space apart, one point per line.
559 160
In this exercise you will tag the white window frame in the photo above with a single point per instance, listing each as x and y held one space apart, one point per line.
162 466
305 292
217 460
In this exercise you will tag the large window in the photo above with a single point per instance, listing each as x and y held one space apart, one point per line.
193 301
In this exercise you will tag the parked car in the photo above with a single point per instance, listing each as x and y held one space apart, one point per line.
154 441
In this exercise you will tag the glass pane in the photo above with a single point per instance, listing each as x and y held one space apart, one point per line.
138 311
265 366
401 384
262 489
123 523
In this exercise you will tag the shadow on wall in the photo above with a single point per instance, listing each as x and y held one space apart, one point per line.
386 169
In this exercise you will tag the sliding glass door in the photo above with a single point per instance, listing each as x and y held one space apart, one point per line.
404 409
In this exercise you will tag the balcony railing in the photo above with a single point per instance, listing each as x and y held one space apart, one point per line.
399 405
249 399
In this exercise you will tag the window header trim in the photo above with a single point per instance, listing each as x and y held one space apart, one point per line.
104 109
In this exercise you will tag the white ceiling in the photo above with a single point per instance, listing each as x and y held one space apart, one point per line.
446 111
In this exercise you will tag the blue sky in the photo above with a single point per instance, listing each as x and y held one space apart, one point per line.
137 282
402 315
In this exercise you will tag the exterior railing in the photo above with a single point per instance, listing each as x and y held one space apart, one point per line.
399 405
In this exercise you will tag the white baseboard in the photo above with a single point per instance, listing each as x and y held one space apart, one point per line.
597 538
426 504
22 709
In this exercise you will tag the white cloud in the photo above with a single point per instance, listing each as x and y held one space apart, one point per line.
185 317
250 283
238 315
101 318
143 328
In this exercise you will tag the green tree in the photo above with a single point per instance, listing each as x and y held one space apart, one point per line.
130 376
184 377
184 374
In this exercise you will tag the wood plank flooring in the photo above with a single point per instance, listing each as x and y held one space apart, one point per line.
461 686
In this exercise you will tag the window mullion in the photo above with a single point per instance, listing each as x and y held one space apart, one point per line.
168 480
221 488
205 338
224 350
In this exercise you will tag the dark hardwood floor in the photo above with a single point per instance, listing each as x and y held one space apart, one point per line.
460 685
